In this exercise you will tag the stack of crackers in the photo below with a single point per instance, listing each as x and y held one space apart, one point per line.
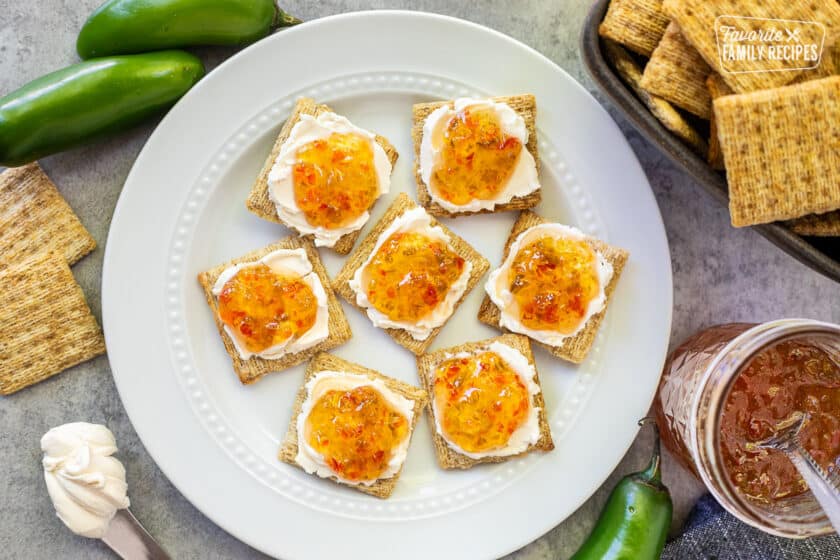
47 325
773 126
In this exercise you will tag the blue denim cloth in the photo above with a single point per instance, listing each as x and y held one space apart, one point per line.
711 533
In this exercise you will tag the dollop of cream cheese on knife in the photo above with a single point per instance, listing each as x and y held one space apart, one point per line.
87 485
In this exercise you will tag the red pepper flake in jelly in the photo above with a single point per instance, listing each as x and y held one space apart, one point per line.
410 274
480 401
788 377
356 431
335 180
552 281
265 309
476 157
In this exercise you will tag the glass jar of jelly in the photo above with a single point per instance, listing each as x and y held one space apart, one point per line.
731 386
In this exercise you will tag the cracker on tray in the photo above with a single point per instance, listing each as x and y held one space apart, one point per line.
35 219
671 119
677 73
717 88
636 24
699 21
782 151
47 324
817 225
829 66
260 203
383 487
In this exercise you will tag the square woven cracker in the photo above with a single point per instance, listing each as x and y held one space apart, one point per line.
35 219
258 201
664 112
698 18
717 88
636 24
677 73
427 364
254 368
47 324
817 225
384 487
574 349
829 66
782 151
526 106
400 205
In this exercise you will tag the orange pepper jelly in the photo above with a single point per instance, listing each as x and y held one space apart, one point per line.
480 401
791 376
410 274
335 179
553 280
356 431
475 158
264 308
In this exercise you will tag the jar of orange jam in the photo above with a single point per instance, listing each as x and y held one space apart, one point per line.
729 387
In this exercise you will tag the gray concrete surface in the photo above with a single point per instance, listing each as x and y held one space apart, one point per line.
720 274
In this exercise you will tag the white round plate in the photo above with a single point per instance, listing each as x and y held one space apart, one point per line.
182 211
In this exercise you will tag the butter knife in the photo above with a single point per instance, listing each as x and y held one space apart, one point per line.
130 540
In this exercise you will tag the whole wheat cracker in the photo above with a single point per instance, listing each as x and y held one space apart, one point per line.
636 24
782 151
817 225
717 88
254 368
574 349
400 205
525 105
677 73
384 487
35 219
829 66
259 202
47 324
664 112
447 456
698 20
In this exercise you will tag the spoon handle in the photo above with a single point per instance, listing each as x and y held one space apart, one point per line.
821 487
130 540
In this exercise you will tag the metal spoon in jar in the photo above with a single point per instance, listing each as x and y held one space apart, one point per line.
786 440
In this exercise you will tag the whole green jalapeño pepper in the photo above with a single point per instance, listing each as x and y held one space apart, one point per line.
636 519
134 26
89 100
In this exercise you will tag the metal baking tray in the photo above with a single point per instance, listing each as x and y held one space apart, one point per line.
821 254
